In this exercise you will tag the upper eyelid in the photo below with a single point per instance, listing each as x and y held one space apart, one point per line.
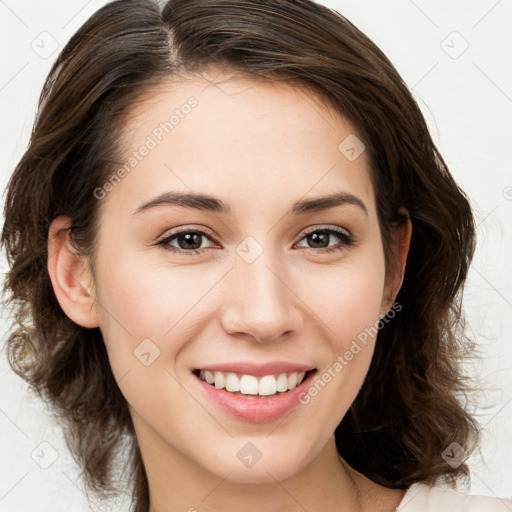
326 227
187 229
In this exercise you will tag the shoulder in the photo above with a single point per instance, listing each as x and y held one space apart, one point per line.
423 498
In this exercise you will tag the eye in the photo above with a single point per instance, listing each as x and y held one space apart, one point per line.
194 241
319 239
189 241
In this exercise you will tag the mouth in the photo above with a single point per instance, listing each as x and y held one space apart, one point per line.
254 392
254 386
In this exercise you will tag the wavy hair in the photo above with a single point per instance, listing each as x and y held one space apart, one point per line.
410 407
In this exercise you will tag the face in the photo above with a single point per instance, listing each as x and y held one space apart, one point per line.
254 287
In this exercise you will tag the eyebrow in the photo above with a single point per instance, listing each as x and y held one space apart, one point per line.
209 203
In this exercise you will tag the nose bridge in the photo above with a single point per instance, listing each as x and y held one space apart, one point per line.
259 303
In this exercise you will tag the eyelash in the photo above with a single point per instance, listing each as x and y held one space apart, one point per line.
345 236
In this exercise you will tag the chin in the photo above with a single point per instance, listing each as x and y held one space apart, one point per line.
262 473
248 464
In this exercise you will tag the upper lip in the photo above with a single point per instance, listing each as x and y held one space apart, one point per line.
257 369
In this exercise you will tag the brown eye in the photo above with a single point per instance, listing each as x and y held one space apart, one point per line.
321 238
189 240
186 241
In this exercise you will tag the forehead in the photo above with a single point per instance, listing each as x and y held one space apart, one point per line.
239 139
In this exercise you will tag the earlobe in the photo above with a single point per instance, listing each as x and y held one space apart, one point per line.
401 243
70 276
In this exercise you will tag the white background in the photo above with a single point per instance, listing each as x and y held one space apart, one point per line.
466 97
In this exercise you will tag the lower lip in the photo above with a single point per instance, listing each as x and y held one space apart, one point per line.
256 410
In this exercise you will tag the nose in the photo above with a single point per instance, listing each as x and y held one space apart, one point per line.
259 300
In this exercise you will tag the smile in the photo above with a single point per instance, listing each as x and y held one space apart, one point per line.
250 385
254 393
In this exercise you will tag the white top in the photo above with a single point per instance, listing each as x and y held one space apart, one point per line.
422 498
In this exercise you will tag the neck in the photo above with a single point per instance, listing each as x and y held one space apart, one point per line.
177 483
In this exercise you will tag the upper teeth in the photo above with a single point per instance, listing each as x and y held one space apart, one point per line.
251 385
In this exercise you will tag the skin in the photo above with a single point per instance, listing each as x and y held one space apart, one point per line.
258 147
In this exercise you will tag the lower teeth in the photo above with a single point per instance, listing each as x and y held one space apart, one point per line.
238 393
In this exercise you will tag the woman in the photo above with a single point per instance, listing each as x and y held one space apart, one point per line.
234 244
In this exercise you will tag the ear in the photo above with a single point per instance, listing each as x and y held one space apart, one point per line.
401 239
70 275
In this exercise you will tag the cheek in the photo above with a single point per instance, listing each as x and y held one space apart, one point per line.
347 297
147 313
348 301
140 302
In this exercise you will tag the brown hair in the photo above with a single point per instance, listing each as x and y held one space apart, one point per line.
409 408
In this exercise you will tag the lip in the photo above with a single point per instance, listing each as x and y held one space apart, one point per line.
255 410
